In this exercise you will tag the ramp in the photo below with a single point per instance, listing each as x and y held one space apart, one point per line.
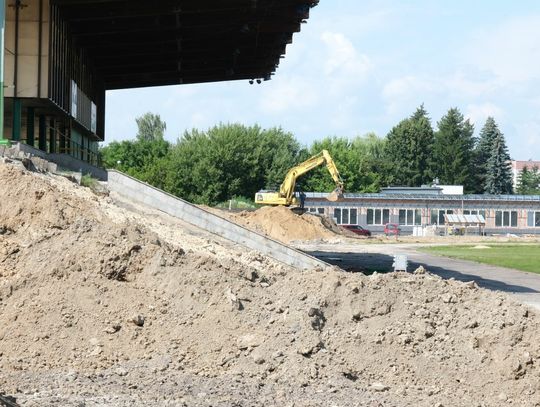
136 190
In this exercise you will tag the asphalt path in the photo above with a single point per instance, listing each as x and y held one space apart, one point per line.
354 257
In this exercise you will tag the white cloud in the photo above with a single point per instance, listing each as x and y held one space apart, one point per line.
342 57
529 134
288 93
478 113
511 51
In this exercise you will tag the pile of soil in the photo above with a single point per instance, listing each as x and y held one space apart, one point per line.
100 305
281 223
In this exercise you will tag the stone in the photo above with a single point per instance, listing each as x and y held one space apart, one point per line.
138 320
378 386
420 270
249 341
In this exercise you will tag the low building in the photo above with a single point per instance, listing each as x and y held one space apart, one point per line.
518 214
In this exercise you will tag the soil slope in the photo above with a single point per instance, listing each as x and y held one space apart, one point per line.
102 306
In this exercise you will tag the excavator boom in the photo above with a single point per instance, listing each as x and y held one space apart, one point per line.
285 196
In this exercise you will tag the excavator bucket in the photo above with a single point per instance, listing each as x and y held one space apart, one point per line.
335 196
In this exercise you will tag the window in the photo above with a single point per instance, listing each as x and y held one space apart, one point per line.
506 219
378 216
410 217
480 212
337 215
320 211
533 219
437 215
353 217
346 216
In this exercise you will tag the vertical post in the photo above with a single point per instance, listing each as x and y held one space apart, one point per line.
3 141
17 113
30 120
52 137
42 144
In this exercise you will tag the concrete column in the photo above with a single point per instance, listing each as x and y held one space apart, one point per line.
17 108
30 119
42 133
52 137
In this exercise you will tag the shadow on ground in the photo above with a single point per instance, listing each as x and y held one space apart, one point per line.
368 263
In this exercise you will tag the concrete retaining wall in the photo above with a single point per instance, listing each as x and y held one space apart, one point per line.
131 188
64 161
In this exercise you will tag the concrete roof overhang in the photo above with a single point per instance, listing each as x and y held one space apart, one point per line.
137 43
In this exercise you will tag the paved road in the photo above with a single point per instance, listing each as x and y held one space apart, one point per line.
379 257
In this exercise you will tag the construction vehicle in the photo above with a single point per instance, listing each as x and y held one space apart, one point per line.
286 195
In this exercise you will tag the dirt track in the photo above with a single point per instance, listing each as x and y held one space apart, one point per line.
114 305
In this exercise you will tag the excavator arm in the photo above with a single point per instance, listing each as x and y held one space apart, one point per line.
285 196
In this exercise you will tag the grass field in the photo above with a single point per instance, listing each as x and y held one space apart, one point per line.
524 257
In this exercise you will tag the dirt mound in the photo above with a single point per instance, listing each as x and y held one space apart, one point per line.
96 309
281 223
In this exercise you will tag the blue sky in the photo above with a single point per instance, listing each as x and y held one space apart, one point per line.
362 66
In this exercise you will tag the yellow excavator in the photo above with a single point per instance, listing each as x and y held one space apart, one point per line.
286 196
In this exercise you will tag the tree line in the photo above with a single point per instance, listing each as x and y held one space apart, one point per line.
234 160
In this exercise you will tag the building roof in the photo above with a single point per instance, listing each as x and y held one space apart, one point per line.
136 43
416 197
464 219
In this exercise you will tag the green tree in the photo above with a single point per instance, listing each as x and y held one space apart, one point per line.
359 162
150 127
409 148
529 181
499 172
453 151
482 153
229 161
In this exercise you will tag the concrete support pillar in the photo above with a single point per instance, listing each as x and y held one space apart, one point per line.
30 119
17 111
52 137
42 133
62 141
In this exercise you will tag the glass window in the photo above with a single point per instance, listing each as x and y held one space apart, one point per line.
537 222
498 218
467 212
530 219
513 219
337 215
345 216
402 217
386 216
312 210
506 218
378 216
321 211
441 217
353 217
370 216
417 217
482 213
434 215
410 217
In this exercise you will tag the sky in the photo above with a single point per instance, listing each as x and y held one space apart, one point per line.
361 66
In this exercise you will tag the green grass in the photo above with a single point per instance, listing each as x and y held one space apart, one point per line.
524 257
88 181
238 203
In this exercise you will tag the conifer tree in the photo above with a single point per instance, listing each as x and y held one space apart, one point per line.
499 172
482 153
408 150
453 150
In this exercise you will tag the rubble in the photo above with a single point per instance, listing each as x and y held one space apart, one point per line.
80 275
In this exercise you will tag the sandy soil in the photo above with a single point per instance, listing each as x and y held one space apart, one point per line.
110 305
